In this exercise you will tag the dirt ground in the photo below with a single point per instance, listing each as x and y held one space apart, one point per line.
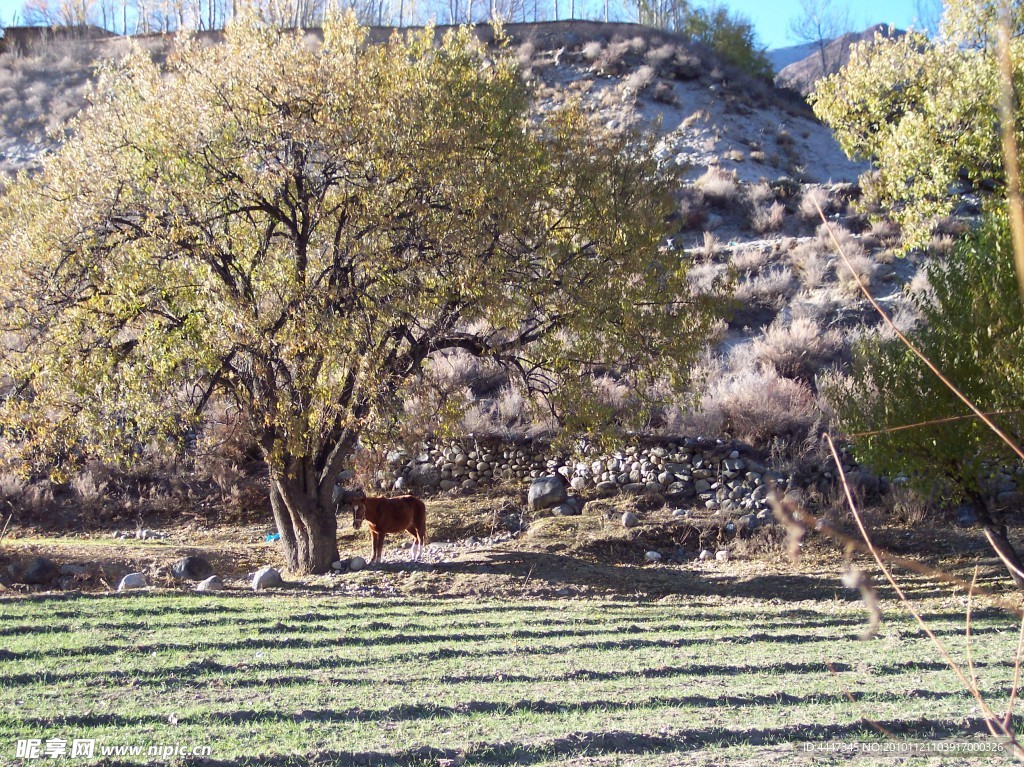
490 545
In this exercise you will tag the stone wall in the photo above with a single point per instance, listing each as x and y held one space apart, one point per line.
715 474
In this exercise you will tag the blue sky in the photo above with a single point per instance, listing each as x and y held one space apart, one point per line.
771 18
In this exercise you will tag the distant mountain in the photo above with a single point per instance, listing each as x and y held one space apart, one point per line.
783 57
802 74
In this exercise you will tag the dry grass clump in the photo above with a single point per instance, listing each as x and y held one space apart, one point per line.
710 247
883 233
814 197
766 219
798 349
942 244
720 187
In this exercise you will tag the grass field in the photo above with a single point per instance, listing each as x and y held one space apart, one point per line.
300 679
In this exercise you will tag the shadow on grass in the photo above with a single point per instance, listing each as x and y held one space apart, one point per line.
418 711
199 673
598 744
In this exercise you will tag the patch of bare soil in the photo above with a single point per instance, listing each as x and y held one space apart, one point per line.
490 545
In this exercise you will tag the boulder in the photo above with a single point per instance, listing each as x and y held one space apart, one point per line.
629 519
356 564
73 570
266 578
566 510
652 556
722 556
132 581
546 492
191 569
39 571
213 583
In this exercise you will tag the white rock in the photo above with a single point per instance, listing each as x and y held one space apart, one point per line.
704 555
356 564
132 581
722 556
213 583
265 578
653 556
629 519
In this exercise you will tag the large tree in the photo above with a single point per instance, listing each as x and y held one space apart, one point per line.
925 112
301 228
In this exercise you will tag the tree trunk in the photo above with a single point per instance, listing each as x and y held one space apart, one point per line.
999 540
308 528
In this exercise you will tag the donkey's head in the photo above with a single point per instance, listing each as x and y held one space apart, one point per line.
351 498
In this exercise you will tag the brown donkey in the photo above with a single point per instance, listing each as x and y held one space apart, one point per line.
389 515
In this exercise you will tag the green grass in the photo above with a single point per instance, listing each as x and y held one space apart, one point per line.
284 679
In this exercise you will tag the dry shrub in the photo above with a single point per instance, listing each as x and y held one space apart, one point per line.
720 187
771 287
814 271
906 506
812 264
754 405
640 80
637 45
760 193
749 260
798 349
735 155
706 278
770 218
611 61
525 54
814 197
662 56
592 50
665 94
692 210
863 267
950 225
829 234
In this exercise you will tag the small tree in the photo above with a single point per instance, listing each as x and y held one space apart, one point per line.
731 36
973 330
302 229
818 23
